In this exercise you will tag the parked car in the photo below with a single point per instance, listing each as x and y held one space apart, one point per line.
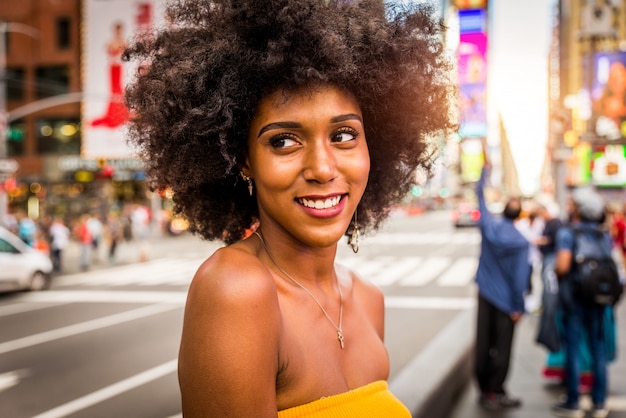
21 266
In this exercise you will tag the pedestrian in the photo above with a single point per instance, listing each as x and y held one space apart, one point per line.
617 224
303 121
26 228
59 239
586 212
114 230
96 230
502 278
85 240
531 227
548 334
140 224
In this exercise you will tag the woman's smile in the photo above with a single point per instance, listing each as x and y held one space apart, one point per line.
322 207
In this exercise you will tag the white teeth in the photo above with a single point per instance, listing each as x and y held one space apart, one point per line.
321 204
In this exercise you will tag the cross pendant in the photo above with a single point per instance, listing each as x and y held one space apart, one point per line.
340 338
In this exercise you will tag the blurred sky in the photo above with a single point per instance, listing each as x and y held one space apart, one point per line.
519 37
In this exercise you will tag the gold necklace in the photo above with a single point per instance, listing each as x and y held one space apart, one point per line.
337 328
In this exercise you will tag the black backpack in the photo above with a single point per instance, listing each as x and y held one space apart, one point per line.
597 279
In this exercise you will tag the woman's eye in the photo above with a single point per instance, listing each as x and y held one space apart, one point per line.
282 141
345 135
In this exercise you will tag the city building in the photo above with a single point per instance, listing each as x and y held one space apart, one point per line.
44 98
588 96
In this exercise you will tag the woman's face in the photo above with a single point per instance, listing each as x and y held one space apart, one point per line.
308 157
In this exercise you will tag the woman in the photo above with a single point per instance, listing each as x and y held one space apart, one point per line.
280 127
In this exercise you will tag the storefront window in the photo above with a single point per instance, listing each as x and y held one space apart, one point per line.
52 81
58 136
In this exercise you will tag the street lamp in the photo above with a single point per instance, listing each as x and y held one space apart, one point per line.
7 167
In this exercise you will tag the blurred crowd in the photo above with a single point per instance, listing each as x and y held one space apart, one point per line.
98 236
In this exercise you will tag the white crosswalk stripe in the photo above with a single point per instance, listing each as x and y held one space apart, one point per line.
460 273
162 271
428 271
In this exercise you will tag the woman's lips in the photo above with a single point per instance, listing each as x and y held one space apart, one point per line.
322 207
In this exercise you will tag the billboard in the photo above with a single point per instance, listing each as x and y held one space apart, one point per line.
472 72
608 165
472 159
108 24
609 94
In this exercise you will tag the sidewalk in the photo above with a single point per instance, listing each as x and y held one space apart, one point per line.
526 381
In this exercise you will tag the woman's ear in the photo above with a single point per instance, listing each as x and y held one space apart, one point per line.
244 165
245 169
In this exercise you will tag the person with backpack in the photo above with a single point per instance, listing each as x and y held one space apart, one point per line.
581 312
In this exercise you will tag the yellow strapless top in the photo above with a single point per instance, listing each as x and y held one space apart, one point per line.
373 400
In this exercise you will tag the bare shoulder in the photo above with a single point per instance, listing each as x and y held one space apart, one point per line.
233 274
230 339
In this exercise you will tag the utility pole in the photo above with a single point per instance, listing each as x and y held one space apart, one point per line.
7 167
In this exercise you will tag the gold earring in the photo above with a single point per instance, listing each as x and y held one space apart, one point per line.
354 235
248 179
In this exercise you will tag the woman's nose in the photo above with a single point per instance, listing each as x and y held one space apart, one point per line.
320 163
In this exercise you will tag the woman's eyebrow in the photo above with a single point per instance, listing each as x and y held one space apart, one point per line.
295 125
278 125
349 116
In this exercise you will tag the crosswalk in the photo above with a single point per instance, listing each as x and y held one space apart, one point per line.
414 271
409 271
464 238
382 270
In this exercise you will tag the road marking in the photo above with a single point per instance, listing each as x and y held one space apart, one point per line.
12 378
115 296
16 308
428 271
86 326
422 238
111 391
460 273
392 271
171 300
407 302
162 270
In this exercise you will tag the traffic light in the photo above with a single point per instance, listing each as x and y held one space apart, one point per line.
15 134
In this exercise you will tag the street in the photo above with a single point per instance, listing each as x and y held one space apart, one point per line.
104 343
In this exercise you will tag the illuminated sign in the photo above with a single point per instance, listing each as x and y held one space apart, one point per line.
609 94
608 165
472 72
